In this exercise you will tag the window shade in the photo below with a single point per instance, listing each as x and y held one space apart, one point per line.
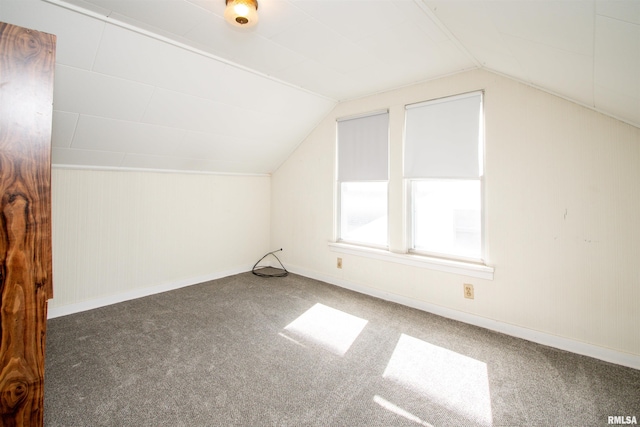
443 138
363 148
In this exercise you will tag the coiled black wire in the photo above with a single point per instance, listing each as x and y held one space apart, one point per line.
278 272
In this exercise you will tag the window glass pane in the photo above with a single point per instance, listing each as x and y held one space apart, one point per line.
363 212
447 217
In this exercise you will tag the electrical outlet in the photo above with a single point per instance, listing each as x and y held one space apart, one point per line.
468 290
339 264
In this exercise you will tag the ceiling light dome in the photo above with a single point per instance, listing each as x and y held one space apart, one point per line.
241 13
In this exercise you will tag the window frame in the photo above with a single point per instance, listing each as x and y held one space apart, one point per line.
408 205
397 250
338 184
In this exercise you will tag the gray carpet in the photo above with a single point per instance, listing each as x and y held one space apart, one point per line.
251 351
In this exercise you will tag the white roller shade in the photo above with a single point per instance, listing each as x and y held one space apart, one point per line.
363 148
443 138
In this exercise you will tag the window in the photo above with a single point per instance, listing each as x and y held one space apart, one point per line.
443 156
363 173
438 188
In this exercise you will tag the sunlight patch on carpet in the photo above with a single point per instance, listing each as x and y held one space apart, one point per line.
448 379
327 327
399 411
291 339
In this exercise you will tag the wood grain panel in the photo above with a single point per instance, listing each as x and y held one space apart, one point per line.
27 61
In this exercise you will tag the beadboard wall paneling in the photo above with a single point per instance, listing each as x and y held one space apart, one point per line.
120 232
561 205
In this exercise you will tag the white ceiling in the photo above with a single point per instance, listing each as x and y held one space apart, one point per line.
167 84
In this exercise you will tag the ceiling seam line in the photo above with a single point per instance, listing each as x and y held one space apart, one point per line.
155 88
112 21
75 130
143 123
146 170
431 14
566 98
95 56
561 49
144 110
617 19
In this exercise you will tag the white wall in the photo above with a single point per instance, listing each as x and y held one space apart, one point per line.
562 219
121 234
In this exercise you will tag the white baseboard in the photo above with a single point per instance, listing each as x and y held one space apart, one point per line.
139 293
602 353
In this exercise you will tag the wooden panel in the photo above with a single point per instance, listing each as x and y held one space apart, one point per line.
27 61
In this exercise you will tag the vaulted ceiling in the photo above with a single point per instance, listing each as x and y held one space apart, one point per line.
168 84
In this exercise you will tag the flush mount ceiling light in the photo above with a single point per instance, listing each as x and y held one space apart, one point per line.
241 13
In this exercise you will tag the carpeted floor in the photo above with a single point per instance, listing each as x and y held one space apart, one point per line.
251 351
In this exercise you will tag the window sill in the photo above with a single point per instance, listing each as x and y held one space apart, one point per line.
450 266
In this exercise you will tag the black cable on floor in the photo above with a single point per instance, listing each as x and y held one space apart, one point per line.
278 273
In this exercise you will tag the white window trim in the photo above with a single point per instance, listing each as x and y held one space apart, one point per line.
480 271
337 229
409 225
